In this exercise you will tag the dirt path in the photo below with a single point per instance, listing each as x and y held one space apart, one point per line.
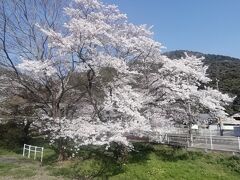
9 159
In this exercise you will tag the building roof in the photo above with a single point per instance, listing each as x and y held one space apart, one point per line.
236 116
231 120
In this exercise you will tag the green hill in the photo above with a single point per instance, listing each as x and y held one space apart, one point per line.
224 68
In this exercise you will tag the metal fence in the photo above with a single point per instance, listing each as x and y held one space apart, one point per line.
202 138
210 140
204 132
224 143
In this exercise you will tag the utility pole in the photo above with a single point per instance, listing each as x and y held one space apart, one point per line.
190 123
190 119
217 84
219 119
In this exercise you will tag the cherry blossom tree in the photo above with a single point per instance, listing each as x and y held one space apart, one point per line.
96 39
178 92
94 77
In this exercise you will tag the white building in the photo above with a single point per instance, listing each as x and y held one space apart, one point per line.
232 124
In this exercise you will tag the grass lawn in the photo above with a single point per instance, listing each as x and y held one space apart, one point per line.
155 168
149 162
14 166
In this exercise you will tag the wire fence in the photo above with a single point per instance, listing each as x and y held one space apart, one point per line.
217 143
203 139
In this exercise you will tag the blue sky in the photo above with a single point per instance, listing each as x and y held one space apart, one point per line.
208 26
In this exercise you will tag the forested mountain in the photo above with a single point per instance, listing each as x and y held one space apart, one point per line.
224 68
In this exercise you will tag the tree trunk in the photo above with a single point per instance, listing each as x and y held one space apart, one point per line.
221 127
62 155
56 113
26 131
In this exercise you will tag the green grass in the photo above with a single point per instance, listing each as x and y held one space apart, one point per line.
17 168
147 162
5 152
6 167
156 168
167 163
14 166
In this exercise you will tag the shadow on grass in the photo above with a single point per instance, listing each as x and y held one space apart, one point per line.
141 152
107 162
102 164
50 157
92 164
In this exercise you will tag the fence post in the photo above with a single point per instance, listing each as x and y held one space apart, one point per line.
192 140
29 151
35 152
23 149
187 141
211 143
206 147
42 155
239 143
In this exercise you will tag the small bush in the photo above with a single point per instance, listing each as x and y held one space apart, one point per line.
87 169
140 153
174 154
233 163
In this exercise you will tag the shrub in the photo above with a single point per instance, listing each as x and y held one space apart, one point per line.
12 135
